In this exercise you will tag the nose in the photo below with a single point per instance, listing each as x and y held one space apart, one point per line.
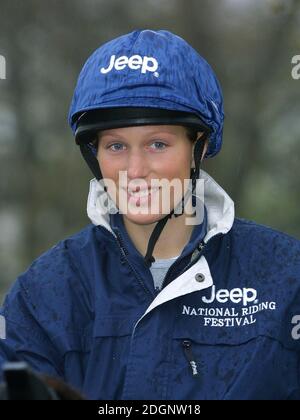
137 166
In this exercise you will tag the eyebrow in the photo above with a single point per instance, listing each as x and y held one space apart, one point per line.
150 133
161 132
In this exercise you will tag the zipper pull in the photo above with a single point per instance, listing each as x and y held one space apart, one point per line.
201 246
187 348
197 251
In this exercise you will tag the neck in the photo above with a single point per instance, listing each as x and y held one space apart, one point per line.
173 238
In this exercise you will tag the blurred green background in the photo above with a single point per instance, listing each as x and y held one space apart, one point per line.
44 181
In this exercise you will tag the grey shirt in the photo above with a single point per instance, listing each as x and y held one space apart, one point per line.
159 269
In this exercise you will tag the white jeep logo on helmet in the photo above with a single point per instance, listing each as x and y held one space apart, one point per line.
135 62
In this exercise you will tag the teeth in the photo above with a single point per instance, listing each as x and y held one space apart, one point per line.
140 194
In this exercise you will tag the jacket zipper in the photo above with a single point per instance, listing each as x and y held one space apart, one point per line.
124 254
187 348
119 242
200 247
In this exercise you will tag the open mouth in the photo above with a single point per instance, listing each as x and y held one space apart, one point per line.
140 197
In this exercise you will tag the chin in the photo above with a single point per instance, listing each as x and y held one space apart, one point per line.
143 219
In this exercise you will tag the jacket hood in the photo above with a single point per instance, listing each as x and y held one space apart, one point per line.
218 205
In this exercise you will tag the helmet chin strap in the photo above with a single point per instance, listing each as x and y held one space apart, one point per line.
198 151
91 160
93 164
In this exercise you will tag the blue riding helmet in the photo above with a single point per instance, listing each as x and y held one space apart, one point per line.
152 70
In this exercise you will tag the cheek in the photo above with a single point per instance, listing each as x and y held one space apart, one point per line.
109 168
178 164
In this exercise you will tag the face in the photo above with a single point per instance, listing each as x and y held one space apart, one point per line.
147 155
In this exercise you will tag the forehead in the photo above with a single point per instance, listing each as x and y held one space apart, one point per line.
144 130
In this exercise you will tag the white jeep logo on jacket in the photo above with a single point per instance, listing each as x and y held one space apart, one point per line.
135 62
236 295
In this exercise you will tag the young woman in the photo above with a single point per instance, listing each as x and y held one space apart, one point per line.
166 295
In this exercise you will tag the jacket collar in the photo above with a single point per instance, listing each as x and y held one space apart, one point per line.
218 214
117 225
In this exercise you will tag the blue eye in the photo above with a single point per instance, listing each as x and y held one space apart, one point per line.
161 145
117 148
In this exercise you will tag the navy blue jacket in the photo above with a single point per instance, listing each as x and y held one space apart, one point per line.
226 324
